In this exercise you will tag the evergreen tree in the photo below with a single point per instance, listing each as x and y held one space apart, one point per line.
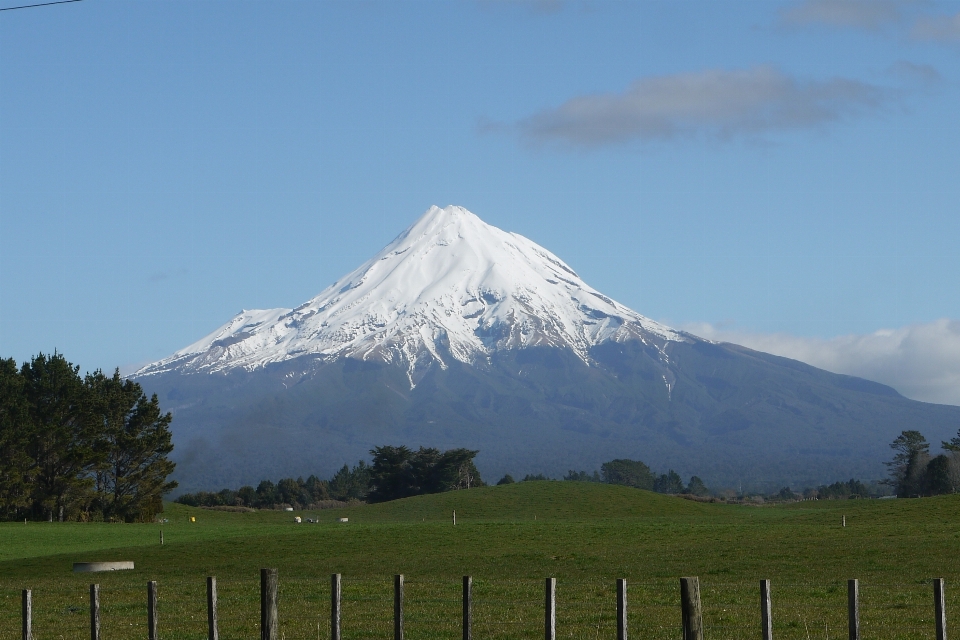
61 441
582 476
134 443
398 472
631 473
247 496
953 444
697 487
266 494
908 465
15 463
938 479
351 484
669 482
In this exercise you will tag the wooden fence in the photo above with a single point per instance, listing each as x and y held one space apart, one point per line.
690 609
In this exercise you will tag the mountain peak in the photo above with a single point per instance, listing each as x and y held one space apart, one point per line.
449 287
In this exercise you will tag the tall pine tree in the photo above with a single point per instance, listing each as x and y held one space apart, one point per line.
14 461
133 444
61 443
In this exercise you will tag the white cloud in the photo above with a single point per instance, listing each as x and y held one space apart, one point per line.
937 28
921 361
718 103
859 14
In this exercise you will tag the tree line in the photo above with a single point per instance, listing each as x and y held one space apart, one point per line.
915 472
630 473
401 472
75 447
395 472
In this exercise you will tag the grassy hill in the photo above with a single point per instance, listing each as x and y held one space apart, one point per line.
509 538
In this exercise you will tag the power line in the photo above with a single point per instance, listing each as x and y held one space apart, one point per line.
42 4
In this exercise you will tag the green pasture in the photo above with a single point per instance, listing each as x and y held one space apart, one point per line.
509 538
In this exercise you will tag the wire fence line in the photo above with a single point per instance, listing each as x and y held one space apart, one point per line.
432 609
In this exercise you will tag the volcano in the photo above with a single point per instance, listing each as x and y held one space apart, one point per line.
459 334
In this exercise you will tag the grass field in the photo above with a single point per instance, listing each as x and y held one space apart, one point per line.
509 538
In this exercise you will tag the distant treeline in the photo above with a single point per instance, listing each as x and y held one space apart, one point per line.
400 472
79 448
630 473
396 472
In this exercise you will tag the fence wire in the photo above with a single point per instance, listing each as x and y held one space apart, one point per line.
502 609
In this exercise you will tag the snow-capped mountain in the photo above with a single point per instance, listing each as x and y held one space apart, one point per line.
459 334
450 286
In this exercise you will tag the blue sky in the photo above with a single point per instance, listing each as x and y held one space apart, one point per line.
781 174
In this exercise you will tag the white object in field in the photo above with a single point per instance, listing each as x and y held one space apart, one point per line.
288 508
297 519
343 519
93 567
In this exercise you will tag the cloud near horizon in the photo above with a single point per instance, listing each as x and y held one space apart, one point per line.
717 103
921 361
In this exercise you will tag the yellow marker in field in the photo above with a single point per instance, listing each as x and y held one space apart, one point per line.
193 519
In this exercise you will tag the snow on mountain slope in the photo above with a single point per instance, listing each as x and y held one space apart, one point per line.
450 286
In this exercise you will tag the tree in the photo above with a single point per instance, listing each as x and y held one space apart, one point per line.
60 438
697 487
266 494
953 444
909 463
506 479
15 463
669 482
247 496
787 493
351 484
398 472
631 473
938 478
134 441
582 476
530 477
851 489
390 475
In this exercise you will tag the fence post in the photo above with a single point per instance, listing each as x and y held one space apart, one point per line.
335 606
152 610
550 610
766 610
690 607
398 607
467 608
94 612
213 632
621 609
268 604
939 604
27 610
853 608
